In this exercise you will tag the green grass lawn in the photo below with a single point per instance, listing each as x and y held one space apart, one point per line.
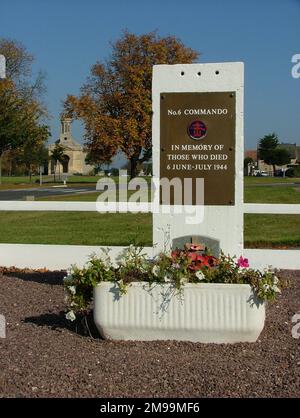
268 230
89 228
83 197
94 179
76 228
271 231
17 180
272 194
269 180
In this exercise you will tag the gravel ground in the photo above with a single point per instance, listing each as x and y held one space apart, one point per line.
43 356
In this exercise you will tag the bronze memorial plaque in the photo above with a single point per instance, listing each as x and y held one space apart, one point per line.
197 140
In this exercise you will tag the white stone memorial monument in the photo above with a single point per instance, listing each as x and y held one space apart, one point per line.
198 134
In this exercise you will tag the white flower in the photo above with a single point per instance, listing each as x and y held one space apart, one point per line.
200 275
167 278
67 278
275 280
276 289
131 249
268 270
143 268
106 262
183 280
155 271
71 316
72 289
266 287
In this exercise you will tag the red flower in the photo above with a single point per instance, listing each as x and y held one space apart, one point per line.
197 260
242 262
193 256
174 254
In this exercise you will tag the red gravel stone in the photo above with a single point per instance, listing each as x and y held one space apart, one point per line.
43 356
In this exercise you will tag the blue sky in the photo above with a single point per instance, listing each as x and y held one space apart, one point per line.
68 36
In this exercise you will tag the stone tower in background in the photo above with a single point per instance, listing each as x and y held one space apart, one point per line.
74 155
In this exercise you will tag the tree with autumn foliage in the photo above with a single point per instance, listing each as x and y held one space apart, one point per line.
21 110
115 103
19 63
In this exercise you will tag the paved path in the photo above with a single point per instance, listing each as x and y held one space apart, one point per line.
297 184
37 192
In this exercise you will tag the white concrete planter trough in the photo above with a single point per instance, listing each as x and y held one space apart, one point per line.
207 313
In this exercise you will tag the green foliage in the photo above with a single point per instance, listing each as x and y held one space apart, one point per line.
247 161
269 151
57 155
267 143
79 284
19 119
280 156
114 171
33 154
21 108
266 147
293 172
177 269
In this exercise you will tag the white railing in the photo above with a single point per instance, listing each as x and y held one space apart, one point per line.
53 257
283 259
9 205
62 256
274 208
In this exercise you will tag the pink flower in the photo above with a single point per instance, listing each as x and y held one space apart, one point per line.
242 262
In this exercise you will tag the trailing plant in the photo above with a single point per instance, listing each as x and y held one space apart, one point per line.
178 268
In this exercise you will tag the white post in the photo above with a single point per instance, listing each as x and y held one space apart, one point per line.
2 67
2 76
41 175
